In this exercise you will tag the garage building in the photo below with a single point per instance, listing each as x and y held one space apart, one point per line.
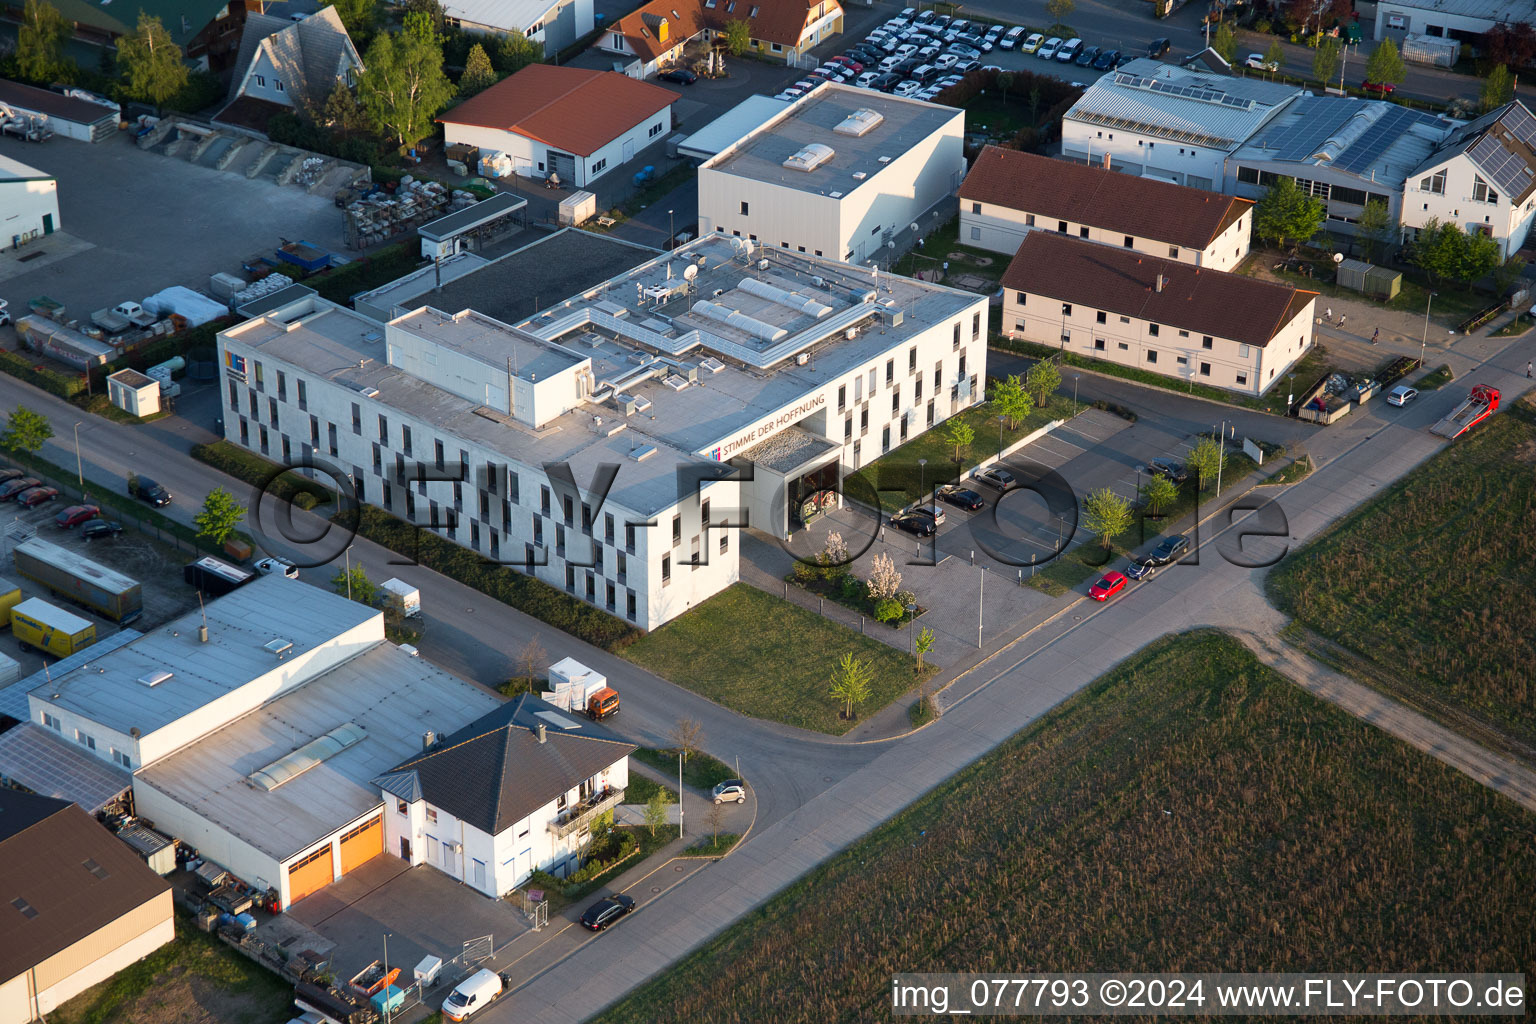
29 202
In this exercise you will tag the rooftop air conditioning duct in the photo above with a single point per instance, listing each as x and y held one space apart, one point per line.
860 122
793 300
810 157
734 318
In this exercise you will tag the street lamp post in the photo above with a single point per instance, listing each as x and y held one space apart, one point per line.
1423 342
671 232
981 604
386 974
79 469
911 618
922 479
349 572
1075 378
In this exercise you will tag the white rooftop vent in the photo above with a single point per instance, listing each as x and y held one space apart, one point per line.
155 678
802 358
859 175
675 382
810 157
369 392
836 195
642 453
712 364
860 122
278 646
885 159
642 403
374 336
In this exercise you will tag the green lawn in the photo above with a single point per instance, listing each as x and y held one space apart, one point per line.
641 789
1439 377
711 845
935 252
1189 811
1453 303
1429 583
767 658
700 770
899 480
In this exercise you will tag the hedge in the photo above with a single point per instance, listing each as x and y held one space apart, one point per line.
388 263
525 593
65 385
257 471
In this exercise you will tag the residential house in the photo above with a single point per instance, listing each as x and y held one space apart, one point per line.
1481 178
553 24
653 37
208 31
286 64
77 905
1009 193
515 792
1183 322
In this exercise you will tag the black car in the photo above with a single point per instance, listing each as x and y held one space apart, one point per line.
681 76
146 489
98 529
1158 47
1087 57
606 911
1168 550
1106 60
1168 468
913 523
961 498
7 475
887 82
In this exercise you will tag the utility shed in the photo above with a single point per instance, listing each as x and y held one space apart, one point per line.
472 227
1369 279
156 850
134 393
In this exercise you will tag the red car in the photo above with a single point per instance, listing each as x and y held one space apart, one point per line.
16 485
36 496
75 515
1379 88
1108 586
847 62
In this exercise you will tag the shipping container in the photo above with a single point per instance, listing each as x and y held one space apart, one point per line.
10 596
38 624
81 580
215 578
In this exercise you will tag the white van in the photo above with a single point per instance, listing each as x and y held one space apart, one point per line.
472 995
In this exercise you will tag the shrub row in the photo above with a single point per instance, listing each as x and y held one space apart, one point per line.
64 385
388 263
257 471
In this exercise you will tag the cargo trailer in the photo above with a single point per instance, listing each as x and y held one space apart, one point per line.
81 580
36 624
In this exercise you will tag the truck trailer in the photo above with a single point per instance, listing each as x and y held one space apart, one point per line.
10 597
215 578
81 580
38 624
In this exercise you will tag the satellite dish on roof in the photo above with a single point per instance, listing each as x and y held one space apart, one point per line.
1338 257
690 272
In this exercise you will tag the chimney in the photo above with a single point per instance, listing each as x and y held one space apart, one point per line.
202 634
1159 285
427 739
539 731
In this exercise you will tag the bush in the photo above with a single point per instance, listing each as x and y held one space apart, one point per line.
853 588
1263 26
889 611
257 471
64 385
1115 407
339 284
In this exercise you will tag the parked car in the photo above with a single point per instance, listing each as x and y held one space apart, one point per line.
867 80
1140 570
681 76
1047 50
1158 47
36 496
945 61
922 526
75 515
16 484
606 911
1378 88
1108 585
962 50
932 512
7 475
887 81
962 498
98 529
1087 57
730 789
1174 471
145 489
965 67
1106 60
274 565
1011 38
907 88
1169 550
1258 63
1402 395
847 62
997 477
1033 43
1069 50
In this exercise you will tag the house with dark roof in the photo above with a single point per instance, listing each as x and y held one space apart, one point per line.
1184 322
1481 178
286 64
571 122
1008 194
77 905
653 37
515 791
208 31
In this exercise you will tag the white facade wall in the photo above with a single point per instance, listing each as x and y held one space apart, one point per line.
173 818
1002 229
28 208
1176 353
530 158
1411 20
1145 155
265 81
1507 223
624 148
495 140
75 728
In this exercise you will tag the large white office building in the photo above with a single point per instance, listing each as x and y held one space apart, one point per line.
801 369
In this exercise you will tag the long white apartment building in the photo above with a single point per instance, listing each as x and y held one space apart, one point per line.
802 369
837 174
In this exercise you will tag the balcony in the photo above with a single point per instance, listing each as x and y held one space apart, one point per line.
580 817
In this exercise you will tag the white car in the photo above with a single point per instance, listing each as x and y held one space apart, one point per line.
1402 395
949 80
1048 48
906 50
890 62
1258 63
945 61
907 88
867 80
274 564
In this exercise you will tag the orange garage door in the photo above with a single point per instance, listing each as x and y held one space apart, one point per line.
309 874
362 844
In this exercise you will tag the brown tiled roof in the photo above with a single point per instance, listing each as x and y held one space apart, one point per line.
65 877
776 21
572 109
1122 203
1124 282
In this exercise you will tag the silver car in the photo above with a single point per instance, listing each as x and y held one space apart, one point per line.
731 789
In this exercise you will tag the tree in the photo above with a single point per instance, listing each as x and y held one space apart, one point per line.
1060 10
1376 228
356 583
26 431
403 86
40 44
1160 492
714 817
220 515
737 36
1042 379
656 811
515 51
686 736
478 74
1004 82
360 17
1512 44
1445 252
958 433
1507 274
530 660
851 683
1275 56
1287 214
1326 60
922 645
1207 459
1225 43
1498 88
342 114
152 64
1385 64
1034 103
1106 514
1012 400
884 578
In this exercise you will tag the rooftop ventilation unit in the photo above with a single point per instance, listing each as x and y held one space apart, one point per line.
712 364
374 337
859 175
810 157
278 646
626 404
891 316
155 678
885 159
835 195
689 371
642 404
802 358
783 297
674 382
642 453
860 122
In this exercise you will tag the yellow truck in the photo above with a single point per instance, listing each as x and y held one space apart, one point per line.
10 597
37 624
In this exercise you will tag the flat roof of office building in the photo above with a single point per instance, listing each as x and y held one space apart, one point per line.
899 124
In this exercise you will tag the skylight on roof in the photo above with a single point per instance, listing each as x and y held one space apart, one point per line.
559 721
315 752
